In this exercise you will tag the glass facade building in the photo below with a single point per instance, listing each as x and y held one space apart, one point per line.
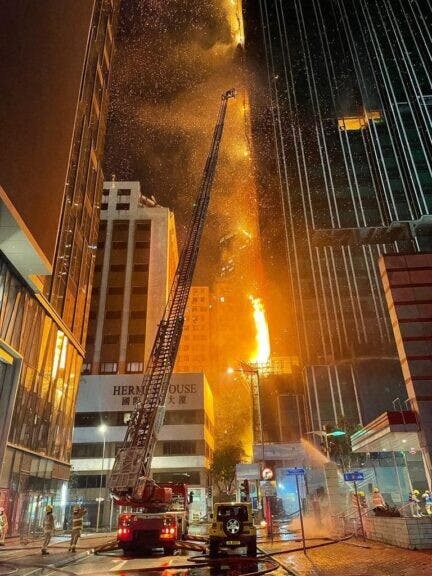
343 119
53 217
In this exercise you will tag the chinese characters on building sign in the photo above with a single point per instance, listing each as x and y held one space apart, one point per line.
178 394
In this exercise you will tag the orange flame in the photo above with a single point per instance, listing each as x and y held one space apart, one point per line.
262 338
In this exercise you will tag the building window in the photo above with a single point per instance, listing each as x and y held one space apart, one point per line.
139 289
115 290
113 314
119 245
180 477
136 339
91 481
110 339
105 192
87 450
104 206
140 267
143 225
183 448
122 206
117 267
135 367
123 192
86 368
94 419
178 417
138 314
108 367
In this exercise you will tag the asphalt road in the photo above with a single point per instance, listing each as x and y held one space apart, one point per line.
114 562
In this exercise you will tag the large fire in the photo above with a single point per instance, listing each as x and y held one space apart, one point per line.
262 352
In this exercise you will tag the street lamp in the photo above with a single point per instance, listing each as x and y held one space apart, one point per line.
102 429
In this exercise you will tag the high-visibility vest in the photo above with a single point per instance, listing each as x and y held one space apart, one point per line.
77 520
377 499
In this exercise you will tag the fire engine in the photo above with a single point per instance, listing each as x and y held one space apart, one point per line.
162 528
159 513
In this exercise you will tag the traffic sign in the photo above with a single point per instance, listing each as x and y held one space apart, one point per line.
294 471
353 476
268 488
267 474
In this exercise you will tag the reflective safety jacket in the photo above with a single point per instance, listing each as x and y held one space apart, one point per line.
77 519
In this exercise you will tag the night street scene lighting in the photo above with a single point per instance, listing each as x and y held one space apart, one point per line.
190 186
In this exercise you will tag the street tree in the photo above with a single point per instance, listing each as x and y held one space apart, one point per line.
223 466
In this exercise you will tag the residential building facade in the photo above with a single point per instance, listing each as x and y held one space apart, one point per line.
55 66
194 351
135 264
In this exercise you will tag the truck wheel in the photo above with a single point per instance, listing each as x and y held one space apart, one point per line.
169 550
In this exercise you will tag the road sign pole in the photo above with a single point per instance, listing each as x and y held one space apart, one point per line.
359 510
301 514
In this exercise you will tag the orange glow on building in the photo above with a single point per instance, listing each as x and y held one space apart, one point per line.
235 14
262 338
349 123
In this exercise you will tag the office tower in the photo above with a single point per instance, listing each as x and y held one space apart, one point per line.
194 351
135 264
55 64
342 130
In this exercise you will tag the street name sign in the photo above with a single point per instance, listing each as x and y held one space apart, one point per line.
294 471
353 476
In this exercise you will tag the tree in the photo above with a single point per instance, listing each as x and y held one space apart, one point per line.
223 466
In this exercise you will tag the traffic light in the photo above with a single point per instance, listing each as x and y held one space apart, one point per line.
244 491
209 492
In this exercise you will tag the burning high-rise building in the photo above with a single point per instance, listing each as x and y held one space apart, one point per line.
343 137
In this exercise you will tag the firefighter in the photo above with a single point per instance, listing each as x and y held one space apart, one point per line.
48 528
427 497
414 502
77 525
3 526
377 499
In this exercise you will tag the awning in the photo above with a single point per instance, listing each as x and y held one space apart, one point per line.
19 247
390 432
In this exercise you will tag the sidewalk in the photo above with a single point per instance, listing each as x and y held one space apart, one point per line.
354 558
30 554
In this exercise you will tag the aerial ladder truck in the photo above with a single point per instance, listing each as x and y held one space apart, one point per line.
159 512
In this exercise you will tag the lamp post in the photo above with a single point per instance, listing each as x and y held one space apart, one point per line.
102 429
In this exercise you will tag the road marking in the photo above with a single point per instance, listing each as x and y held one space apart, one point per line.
118 566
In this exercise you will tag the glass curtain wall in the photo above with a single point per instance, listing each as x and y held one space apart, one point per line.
347 106
40 438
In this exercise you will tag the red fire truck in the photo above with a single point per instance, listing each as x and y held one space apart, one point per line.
143 531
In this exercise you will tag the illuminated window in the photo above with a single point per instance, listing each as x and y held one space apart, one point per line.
135 367
108 368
